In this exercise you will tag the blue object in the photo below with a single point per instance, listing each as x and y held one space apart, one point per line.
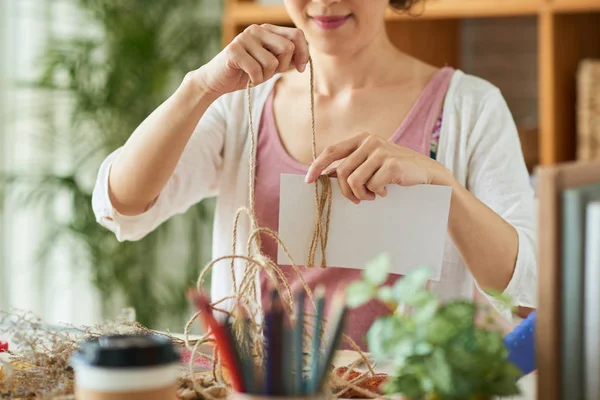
521 344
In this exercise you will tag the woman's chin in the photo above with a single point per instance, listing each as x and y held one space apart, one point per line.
332 47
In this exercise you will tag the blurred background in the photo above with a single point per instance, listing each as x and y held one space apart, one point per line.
77 77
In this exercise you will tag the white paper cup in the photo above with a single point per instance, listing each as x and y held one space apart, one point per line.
126 367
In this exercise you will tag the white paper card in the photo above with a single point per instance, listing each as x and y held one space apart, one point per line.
410 224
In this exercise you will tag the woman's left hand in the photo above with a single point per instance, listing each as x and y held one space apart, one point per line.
366 163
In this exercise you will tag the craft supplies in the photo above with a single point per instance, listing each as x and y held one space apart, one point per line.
284 372
244 269
126 367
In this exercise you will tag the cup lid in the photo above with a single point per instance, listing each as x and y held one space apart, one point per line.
126 351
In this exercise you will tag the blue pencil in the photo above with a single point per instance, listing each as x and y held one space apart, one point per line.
335 334
287 352
299 386
273 328
316 340
246 354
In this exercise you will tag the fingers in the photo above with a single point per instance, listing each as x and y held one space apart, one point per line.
363 156
247 63
281 47
332 154
382 177
296 36
347 169
268 62
273 48
361 177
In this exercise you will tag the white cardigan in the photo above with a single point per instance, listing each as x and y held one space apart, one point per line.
479 144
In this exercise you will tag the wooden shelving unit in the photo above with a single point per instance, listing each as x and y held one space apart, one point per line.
568 31
576 5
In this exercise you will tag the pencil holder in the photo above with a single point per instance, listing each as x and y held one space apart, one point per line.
245 396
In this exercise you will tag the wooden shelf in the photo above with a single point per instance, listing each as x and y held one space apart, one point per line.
439 9
247 13
576 5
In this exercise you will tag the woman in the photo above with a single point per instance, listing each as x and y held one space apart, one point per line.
382 118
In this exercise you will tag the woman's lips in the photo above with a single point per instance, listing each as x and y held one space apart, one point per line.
330 22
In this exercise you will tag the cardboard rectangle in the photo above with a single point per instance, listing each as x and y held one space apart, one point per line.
410 224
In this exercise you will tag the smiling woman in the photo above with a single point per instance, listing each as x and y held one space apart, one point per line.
382 118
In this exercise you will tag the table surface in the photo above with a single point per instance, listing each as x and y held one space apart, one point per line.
527 384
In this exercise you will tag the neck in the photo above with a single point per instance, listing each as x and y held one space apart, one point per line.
355 70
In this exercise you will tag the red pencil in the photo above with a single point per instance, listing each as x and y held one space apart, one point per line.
224 346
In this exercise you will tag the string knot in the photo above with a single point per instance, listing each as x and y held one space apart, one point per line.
321 232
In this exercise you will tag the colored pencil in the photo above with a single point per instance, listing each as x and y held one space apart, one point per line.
284 350
273 333
335 335
287 360
316 340
246 363
299 386
224 346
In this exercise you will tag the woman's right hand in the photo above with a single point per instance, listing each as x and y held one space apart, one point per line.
259 53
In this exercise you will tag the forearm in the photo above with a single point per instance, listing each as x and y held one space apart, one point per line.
487 243
147 160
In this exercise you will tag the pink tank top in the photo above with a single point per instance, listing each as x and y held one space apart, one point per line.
419 131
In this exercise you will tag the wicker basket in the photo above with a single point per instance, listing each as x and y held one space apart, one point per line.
588 110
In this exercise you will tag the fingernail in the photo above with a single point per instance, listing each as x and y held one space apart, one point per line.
302 67
307 178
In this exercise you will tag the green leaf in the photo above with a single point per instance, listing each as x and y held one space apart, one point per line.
419 299
423 348
410 284
439 371
426 311
504 299
408 385
385 294
376 270
460 312
383 336
359 293
506 384
440 331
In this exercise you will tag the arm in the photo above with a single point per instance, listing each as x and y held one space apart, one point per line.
173 159
491 220
146 162
486 242
195 174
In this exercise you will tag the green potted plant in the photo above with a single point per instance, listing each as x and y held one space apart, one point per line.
435 350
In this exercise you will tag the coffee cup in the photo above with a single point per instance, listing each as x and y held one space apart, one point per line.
120 367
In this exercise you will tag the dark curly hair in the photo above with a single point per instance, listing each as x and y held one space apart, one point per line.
403 5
